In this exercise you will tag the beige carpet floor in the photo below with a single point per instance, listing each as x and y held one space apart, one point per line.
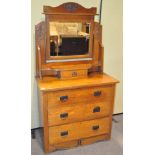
111 147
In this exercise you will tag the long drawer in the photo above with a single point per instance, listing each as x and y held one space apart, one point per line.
68 132
82 95
62 115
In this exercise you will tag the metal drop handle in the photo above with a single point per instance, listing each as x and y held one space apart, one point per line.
64 133
64 115
95 127
96 109
97 93
63 98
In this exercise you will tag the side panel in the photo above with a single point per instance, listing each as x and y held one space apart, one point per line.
44 118
40 46
98 50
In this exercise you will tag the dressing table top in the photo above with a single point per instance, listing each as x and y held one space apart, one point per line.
94 79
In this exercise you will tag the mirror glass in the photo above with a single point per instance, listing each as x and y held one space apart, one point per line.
69 38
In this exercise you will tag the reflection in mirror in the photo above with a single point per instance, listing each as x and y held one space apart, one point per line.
68 39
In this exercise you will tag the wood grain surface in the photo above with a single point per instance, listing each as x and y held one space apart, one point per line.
94 79
78 130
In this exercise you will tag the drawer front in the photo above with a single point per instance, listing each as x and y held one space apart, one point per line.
96 110
64 133
63 115
68 97
73 74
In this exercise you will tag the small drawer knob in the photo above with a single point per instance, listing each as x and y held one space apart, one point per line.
63 98
64 115
96 109
95 127
64 133
97 93
74 74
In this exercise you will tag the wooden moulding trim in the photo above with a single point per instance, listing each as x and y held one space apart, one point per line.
85 57
56 64
79 142
72 67
67 60
80 14
76 87
69 8
39 58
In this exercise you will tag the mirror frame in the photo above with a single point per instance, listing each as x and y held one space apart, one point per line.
68 12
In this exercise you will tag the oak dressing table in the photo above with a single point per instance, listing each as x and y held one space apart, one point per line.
76 98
